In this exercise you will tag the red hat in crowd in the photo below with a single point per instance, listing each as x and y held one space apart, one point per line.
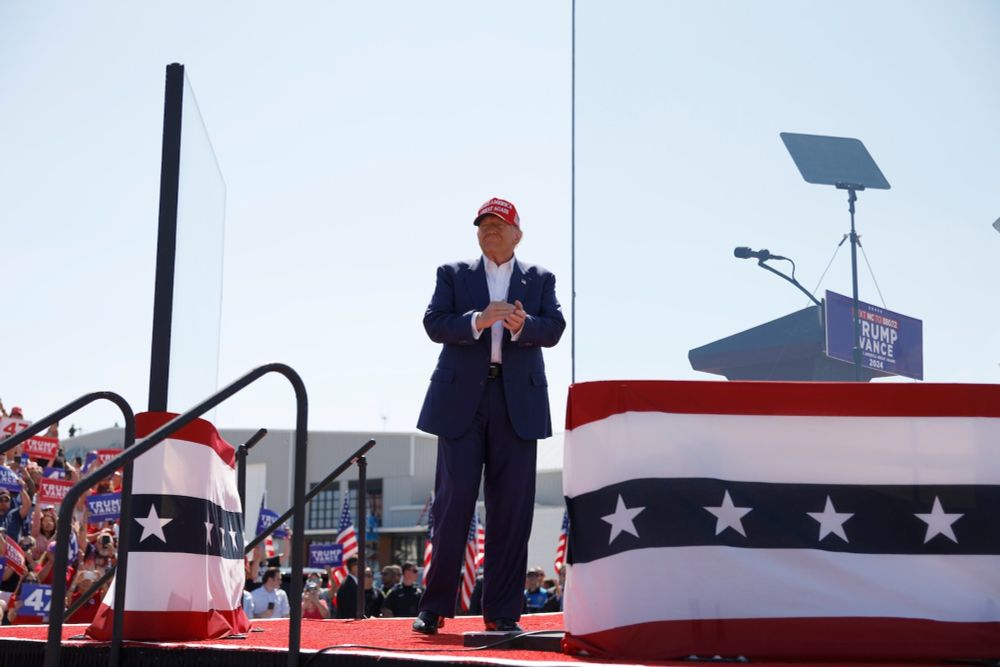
16 412
502 209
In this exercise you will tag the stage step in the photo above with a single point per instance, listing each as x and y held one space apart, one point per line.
542 640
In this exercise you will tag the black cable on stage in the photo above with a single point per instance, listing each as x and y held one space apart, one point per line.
463 649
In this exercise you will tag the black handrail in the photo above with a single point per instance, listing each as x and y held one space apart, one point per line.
53 645
66 508
359 611
37 427
241 466
357 457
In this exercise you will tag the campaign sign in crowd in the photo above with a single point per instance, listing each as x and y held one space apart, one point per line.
104 507
9 480
326 555
42 447
52 490
266 518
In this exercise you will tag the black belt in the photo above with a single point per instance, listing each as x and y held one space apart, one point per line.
496 370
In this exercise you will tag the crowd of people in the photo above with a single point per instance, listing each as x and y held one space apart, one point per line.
93 550
398 593
31 525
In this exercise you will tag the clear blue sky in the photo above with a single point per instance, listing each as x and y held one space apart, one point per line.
357 139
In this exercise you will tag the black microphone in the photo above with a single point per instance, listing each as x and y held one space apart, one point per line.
746 253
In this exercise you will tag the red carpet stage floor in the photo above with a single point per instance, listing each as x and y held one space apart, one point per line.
395 642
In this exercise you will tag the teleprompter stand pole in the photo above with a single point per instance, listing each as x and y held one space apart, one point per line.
852 197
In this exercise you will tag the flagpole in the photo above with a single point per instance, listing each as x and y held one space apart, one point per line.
572 196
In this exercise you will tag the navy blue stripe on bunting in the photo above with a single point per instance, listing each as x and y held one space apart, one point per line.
181 524
884 519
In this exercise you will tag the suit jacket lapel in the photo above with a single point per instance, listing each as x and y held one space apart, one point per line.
479 291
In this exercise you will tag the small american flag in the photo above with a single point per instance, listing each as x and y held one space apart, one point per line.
474 554
348 539
428 546
480 542
561 545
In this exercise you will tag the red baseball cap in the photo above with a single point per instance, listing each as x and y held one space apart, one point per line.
502 209
16 411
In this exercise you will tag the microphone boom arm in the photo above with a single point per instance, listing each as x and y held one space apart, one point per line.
790 279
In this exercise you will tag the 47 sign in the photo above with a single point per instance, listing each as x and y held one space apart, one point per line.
10 426
35 600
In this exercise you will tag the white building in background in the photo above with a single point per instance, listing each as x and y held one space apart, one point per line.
400 478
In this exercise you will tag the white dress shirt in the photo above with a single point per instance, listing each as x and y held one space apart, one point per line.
498 282
261 597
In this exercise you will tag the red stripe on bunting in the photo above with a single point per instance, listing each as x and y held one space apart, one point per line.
593 401
793 639
199 431
170 625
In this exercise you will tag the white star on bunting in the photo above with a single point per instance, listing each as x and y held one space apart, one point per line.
831 521
729 516
208 532
621 520
939 522
232 534
153 525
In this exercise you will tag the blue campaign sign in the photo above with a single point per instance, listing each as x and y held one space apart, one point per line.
35 600
326 555
890 342
9 480
103 507
265 519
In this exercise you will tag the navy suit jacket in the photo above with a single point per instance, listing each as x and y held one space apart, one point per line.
457 383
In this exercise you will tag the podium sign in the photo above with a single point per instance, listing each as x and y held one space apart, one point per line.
890 342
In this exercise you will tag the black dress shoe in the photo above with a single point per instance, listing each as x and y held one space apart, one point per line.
504 625
427 623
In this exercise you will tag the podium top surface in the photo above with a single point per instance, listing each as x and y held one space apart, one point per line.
839 161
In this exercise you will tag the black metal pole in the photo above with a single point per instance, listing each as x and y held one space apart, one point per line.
241 468
851 198
362 536
166 239
53 642
298 519
121 567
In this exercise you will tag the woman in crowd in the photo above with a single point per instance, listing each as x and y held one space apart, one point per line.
312 605
43 528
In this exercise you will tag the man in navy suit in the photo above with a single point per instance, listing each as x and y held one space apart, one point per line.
488 404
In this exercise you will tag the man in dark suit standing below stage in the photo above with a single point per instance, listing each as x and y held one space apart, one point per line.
347 594
488 404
